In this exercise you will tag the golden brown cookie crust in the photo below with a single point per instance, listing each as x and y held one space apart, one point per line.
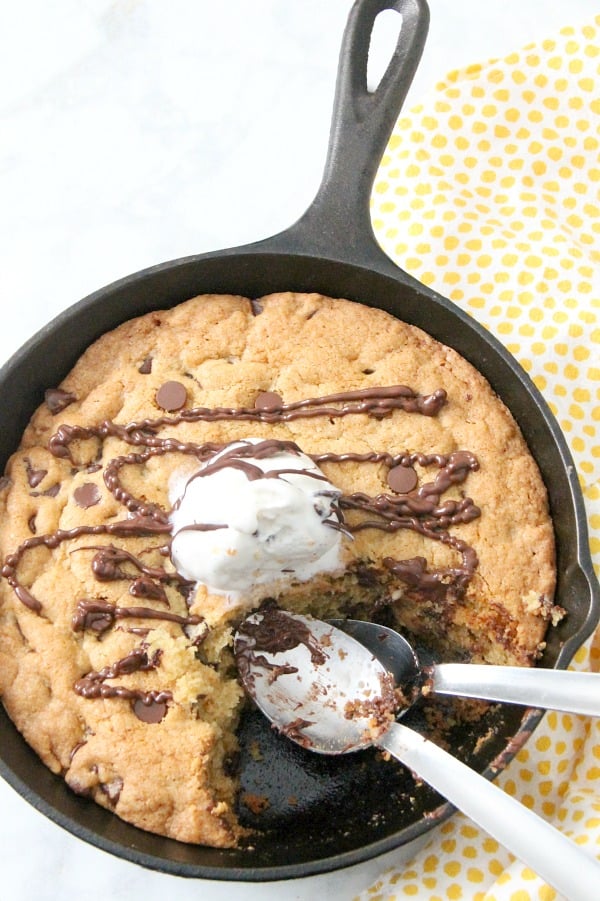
172 776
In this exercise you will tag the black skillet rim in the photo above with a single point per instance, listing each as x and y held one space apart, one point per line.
182 273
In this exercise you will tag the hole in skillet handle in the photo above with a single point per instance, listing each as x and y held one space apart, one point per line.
384 39
363 118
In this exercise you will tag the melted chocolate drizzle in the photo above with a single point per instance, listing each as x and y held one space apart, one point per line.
374 402
273 632
58 400
149 706
106 568
98 616
419 508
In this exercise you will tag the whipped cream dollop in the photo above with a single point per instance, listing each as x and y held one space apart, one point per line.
257 513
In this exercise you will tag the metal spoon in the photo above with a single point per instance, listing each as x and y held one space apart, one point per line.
548 689
327 692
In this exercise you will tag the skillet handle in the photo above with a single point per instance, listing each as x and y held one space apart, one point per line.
338 222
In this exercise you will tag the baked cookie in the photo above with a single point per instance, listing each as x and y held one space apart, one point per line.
116 651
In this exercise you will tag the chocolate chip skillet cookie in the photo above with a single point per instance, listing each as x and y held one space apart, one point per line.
199 460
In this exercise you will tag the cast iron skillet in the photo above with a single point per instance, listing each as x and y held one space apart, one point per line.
324 813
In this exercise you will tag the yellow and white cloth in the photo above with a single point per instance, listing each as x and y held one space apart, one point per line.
490 193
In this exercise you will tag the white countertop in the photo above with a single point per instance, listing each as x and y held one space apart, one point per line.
137 131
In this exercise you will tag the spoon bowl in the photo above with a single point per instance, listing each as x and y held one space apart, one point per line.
389 647
291 667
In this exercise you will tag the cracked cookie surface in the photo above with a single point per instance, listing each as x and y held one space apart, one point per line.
117 671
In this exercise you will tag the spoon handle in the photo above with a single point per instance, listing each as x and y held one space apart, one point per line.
548 689
554 857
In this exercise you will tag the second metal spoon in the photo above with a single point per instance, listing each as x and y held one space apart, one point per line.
548 689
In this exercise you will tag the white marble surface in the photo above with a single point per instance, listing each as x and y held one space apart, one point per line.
136 131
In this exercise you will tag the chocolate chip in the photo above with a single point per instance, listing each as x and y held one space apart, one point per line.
112 789
52 491
84 791
98 622
231 764
268 401
78 747
171 396
34 476
402 479
256 307
145 367
57 400
153 712
87 495
145 587
367 578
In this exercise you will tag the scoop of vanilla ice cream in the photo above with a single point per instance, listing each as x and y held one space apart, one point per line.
257 513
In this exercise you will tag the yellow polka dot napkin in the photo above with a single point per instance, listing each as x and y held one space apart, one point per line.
489 192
